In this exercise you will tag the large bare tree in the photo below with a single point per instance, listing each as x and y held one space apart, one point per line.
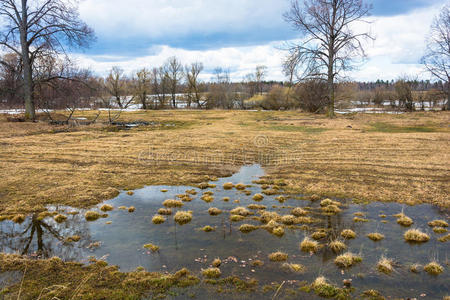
329 45
31 28
437 56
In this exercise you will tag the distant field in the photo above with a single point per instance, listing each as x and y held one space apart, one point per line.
402 158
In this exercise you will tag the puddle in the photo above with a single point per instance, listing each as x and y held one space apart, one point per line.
121 242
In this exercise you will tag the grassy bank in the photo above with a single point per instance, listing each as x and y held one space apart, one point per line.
400 158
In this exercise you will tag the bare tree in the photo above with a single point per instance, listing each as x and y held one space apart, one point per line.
117 86
437 56
192 73
142 86
174 72
329 45
260 74
31 28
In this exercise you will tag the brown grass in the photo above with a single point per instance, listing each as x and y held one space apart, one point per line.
80 167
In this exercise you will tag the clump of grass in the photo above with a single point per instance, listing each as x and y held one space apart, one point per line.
258 197
326 202
270 192
314 197
375 236
164 190
322 288
123 207
309 245
106 207
173 203
248 193
228 185
151 247
216 262
331 209
298 212
91 215
237 201
226 199
211 272
240 186
272 224
337 246
246 228
191 192
404 220
59 218
438 223
165 211
19 219
281 199
278 231
185 198
348 234
208 228
382 216
130 193
207 198
415 235
73 239
256 206
242 211
278 256
203 185
359 214
294 268
131 209
444 238
209 193
433 268
385 266
288 219
358 219
158 219
318 235
236 218
257 263
439 230
183 217
267 216
347 260
214 211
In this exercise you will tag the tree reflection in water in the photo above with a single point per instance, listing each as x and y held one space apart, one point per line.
45 238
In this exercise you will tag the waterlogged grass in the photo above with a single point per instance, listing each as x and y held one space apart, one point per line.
391 128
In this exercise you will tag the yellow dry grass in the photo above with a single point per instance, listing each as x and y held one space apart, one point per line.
400 158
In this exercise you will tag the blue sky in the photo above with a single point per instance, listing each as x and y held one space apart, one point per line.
239 35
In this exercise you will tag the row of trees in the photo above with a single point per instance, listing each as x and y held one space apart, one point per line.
37 72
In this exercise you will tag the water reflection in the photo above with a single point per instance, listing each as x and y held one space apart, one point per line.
44 238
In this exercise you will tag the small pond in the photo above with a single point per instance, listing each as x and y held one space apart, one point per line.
119 239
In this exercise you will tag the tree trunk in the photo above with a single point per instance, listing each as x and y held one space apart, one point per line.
448 95
30 112
330 87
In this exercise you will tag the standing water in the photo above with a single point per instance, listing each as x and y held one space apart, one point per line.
119 238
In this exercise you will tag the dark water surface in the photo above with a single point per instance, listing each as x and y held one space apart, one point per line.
121 242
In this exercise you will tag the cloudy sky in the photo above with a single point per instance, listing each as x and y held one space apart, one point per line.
241 34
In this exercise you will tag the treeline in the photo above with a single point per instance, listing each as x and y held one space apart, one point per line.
58 84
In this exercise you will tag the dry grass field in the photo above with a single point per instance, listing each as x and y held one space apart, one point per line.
402 158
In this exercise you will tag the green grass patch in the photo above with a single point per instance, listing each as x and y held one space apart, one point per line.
391 128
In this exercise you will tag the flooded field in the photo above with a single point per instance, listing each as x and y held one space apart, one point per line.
119 237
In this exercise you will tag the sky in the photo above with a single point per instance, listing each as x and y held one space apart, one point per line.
239 35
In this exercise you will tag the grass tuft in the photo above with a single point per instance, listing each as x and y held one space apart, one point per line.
183 217
278 256
415 235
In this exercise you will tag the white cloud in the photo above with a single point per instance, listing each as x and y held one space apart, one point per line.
159 18
400 40
240 60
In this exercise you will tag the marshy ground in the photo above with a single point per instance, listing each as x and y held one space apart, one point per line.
356 160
